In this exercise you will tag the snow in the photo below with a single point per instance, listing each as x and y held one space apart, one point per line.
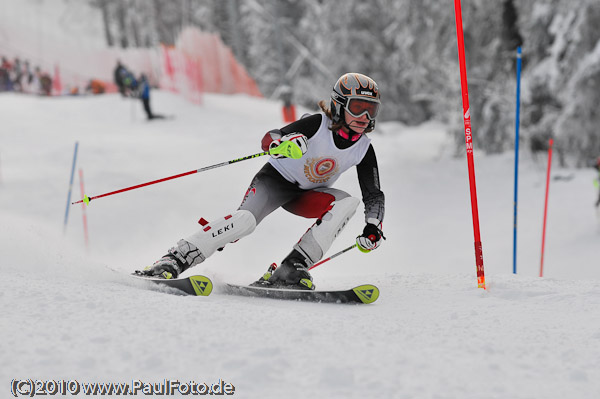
431 334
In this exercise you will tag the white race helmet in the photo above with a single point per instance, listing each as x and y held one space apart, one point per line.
358 94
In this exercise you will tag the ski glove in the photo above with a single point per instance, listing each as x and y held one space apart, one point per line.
370 239
293 145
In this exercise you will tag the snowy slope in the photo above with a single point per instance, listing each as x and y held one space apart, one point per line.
432 334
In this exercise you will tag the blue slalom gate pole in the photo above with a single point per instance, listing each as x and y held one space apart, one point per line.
517 117
70 186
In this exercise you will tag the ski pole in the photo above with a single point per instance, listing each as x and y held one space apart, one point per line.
287 149
333 256
87 199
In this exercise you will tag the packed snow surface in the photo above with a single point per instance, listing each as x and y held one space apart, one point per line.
75 314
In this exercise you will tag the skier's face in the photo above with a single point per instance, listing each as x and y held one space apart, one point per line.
358 124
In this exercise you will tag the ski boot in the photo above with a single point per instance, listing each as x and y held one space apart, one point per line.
292 274
176 261
166 268
263 281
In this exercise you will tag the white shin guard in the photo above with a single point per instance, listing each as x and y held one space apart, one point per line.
217 234
318 239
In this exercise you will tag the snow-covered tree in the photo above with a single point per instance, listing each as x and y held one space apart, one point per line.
409 48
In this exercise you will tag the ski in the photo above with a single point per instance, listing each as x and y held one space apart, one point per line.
193 285
362 294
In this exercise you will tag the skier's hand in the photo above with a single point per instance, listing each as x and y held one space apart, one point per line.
269 137
370 239
293 145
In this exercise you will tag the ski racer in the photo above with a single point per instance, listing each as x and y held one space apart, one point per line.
329 142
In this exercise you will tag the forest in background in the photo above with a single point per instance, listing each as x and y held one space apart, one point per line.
409 48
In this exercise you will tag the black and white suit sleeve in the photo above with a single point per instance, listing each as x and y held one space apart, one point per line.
373 197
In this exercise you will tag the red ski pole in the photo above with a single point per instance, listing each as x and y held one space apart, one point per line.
469 144
288 149
87 199
332 256
546 206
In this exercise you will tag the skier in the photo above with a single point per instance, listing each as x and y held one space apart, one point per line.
331 142
145 97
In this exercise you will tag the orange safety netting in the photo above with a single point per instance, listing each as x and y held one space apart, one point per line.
198 63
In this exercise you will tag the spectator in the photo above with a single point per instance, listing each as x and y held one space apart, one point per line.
34 83
145 97
45 84
5 75
26 77
17 75
130 83
119 76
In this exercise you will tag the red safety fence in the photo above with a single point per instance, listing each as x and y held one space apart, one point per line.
198 63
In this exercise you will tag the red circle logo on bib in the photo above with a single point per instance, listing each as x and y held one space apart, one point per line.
324 167
320 170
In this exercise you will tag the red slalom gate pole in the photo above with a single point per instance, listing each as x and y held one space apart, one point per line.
469 143
546 206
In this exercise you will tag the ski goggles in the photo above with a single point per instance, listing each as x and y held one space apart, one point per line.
357 107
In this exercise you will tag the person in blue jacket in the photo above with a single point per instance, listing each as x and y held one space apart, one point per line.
145 97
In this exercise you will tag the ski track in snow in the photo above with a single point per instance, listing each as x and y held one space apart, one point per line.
431 334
